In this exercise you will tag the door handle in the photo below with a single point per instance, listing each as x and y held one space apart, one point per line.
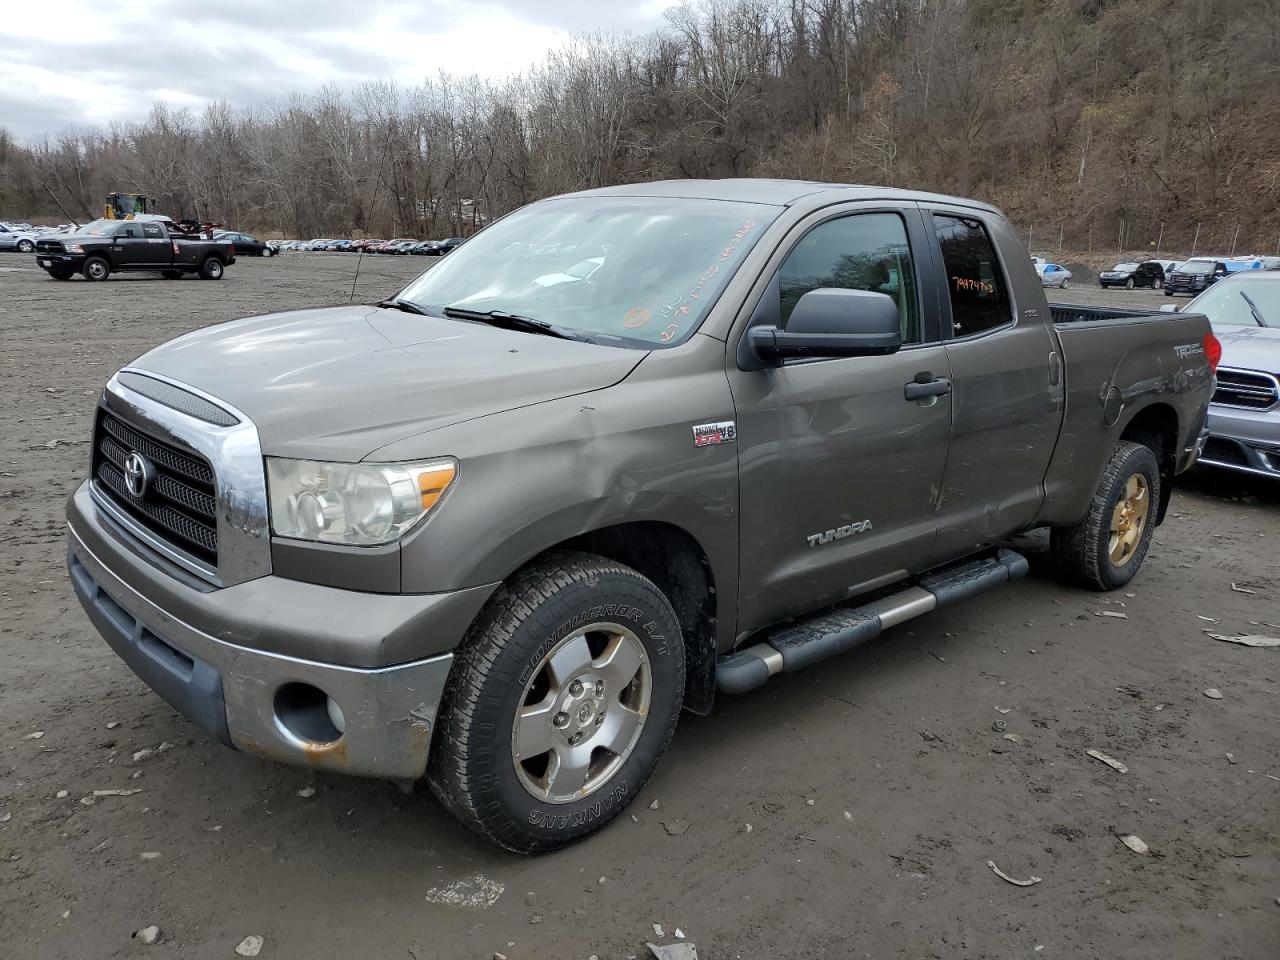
925 386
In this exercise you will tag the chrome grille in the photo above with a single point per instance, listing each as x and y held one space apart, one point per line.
180 505
1247 389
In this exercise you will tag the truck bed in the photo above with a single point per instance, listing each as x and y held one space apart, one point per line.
1063 313
1113 361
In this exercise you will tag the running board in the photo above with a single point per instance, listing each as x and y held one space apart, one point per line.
803 642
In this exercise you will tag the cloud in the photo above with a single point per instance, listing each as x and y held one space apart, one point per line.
101 63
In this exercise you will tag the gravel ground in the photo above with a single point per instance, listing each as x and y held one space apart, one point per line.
845 811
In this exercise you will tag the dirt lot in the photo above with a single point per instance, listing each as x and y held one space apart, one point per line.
875 786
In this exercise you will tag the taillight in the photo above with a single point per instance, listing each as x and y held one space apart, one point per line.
1212 351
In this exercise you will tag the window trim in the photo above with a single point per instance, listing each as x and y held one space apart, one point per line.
920 244
949 325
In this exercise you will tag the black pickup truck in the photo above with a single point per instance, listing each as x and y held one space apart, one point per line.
101 247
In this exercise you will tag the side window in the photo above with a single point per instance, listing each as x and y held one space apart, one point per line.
129 231
151 230
979 296
864 251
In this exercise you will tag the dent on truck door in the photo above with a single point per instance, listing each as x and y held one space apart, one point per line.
1006 406
838 469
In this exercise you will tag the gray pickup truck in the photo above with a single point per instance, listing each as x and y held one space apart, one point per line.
496 531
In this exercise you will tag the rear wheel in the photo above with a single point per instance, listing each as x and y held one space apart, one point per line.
95 269
211 269
1063 284
563 697
1105 549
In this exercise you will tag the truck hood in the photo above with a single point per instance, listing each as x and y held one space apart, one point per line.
338 383
1250 348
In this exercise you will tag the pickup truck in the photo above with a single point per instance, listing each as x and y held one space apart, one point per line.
497 533
101 247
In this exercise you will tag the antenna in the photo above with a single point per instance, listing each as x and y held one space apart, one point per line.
376 183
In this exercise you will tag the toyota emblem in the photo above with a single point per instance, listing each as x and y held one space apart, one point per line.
137 474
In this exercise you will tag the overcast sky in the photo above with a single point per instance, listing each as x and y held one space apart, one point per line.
78 63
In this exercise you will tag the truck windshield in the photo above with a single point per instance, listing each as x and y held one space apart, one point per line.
1196 267
630 271
1232 304
100 228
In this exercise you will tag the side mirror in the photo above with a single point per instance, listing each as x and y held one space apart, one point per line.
829 322
1168 308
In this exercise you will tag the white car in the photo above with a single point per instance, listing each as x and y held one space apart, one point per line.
1053 275
12 238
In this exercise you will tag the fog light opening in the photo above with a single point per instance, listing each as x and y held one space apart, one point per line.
309 713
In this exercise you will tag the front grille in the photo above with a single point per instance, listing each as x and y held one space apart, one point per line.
179 507
1246 389
50 246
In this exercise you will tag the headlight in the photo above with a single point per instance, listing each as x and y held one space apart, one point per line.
357 504
74 248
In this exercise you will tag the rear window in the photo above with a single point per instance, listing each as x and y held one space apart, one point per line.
979 294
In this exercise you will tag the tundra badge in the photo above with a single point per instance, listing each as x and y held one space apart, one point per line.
839 533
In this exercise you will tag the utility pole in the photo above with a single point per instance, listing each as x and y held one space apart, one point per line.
1160 240
1120 240
1061 229
1196 242
1234 237
1030 233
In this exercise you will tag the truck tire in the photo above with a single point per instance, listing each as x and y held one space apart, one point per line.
1105 549
562 699
26 246
96 269
60 274
211 269
171 274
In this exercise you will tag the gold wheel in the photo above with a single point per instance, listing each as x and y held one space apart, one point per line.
1129 519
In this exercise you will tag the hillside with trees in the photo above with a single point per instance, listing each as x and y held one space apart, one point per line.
1092 122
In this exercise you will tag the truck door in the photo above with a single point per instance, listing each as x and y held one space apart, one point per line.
1008 392
838 470
127 245
157 251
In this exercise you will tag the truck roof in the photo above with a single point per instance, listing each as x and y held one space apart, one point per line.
782 193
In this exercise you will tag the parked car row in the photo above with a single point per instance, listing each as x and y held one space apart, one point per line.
22 237
1175 277
400 246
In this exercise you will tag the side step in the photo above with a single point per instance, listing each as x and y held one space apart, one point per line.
803 642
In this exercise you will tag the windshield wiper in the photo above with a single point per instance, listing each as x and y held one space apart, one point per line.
408 306
1253 308
514 321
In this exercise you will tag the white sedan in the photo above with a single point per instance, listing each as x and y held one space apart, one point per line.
11 238
1053 275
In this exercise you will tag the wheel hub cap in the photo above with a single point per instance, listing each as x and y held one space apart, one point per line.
582 713
1129 519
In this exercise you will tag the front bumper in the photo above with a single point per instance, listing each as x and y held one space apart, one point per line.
254 699
74 262
1247 441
